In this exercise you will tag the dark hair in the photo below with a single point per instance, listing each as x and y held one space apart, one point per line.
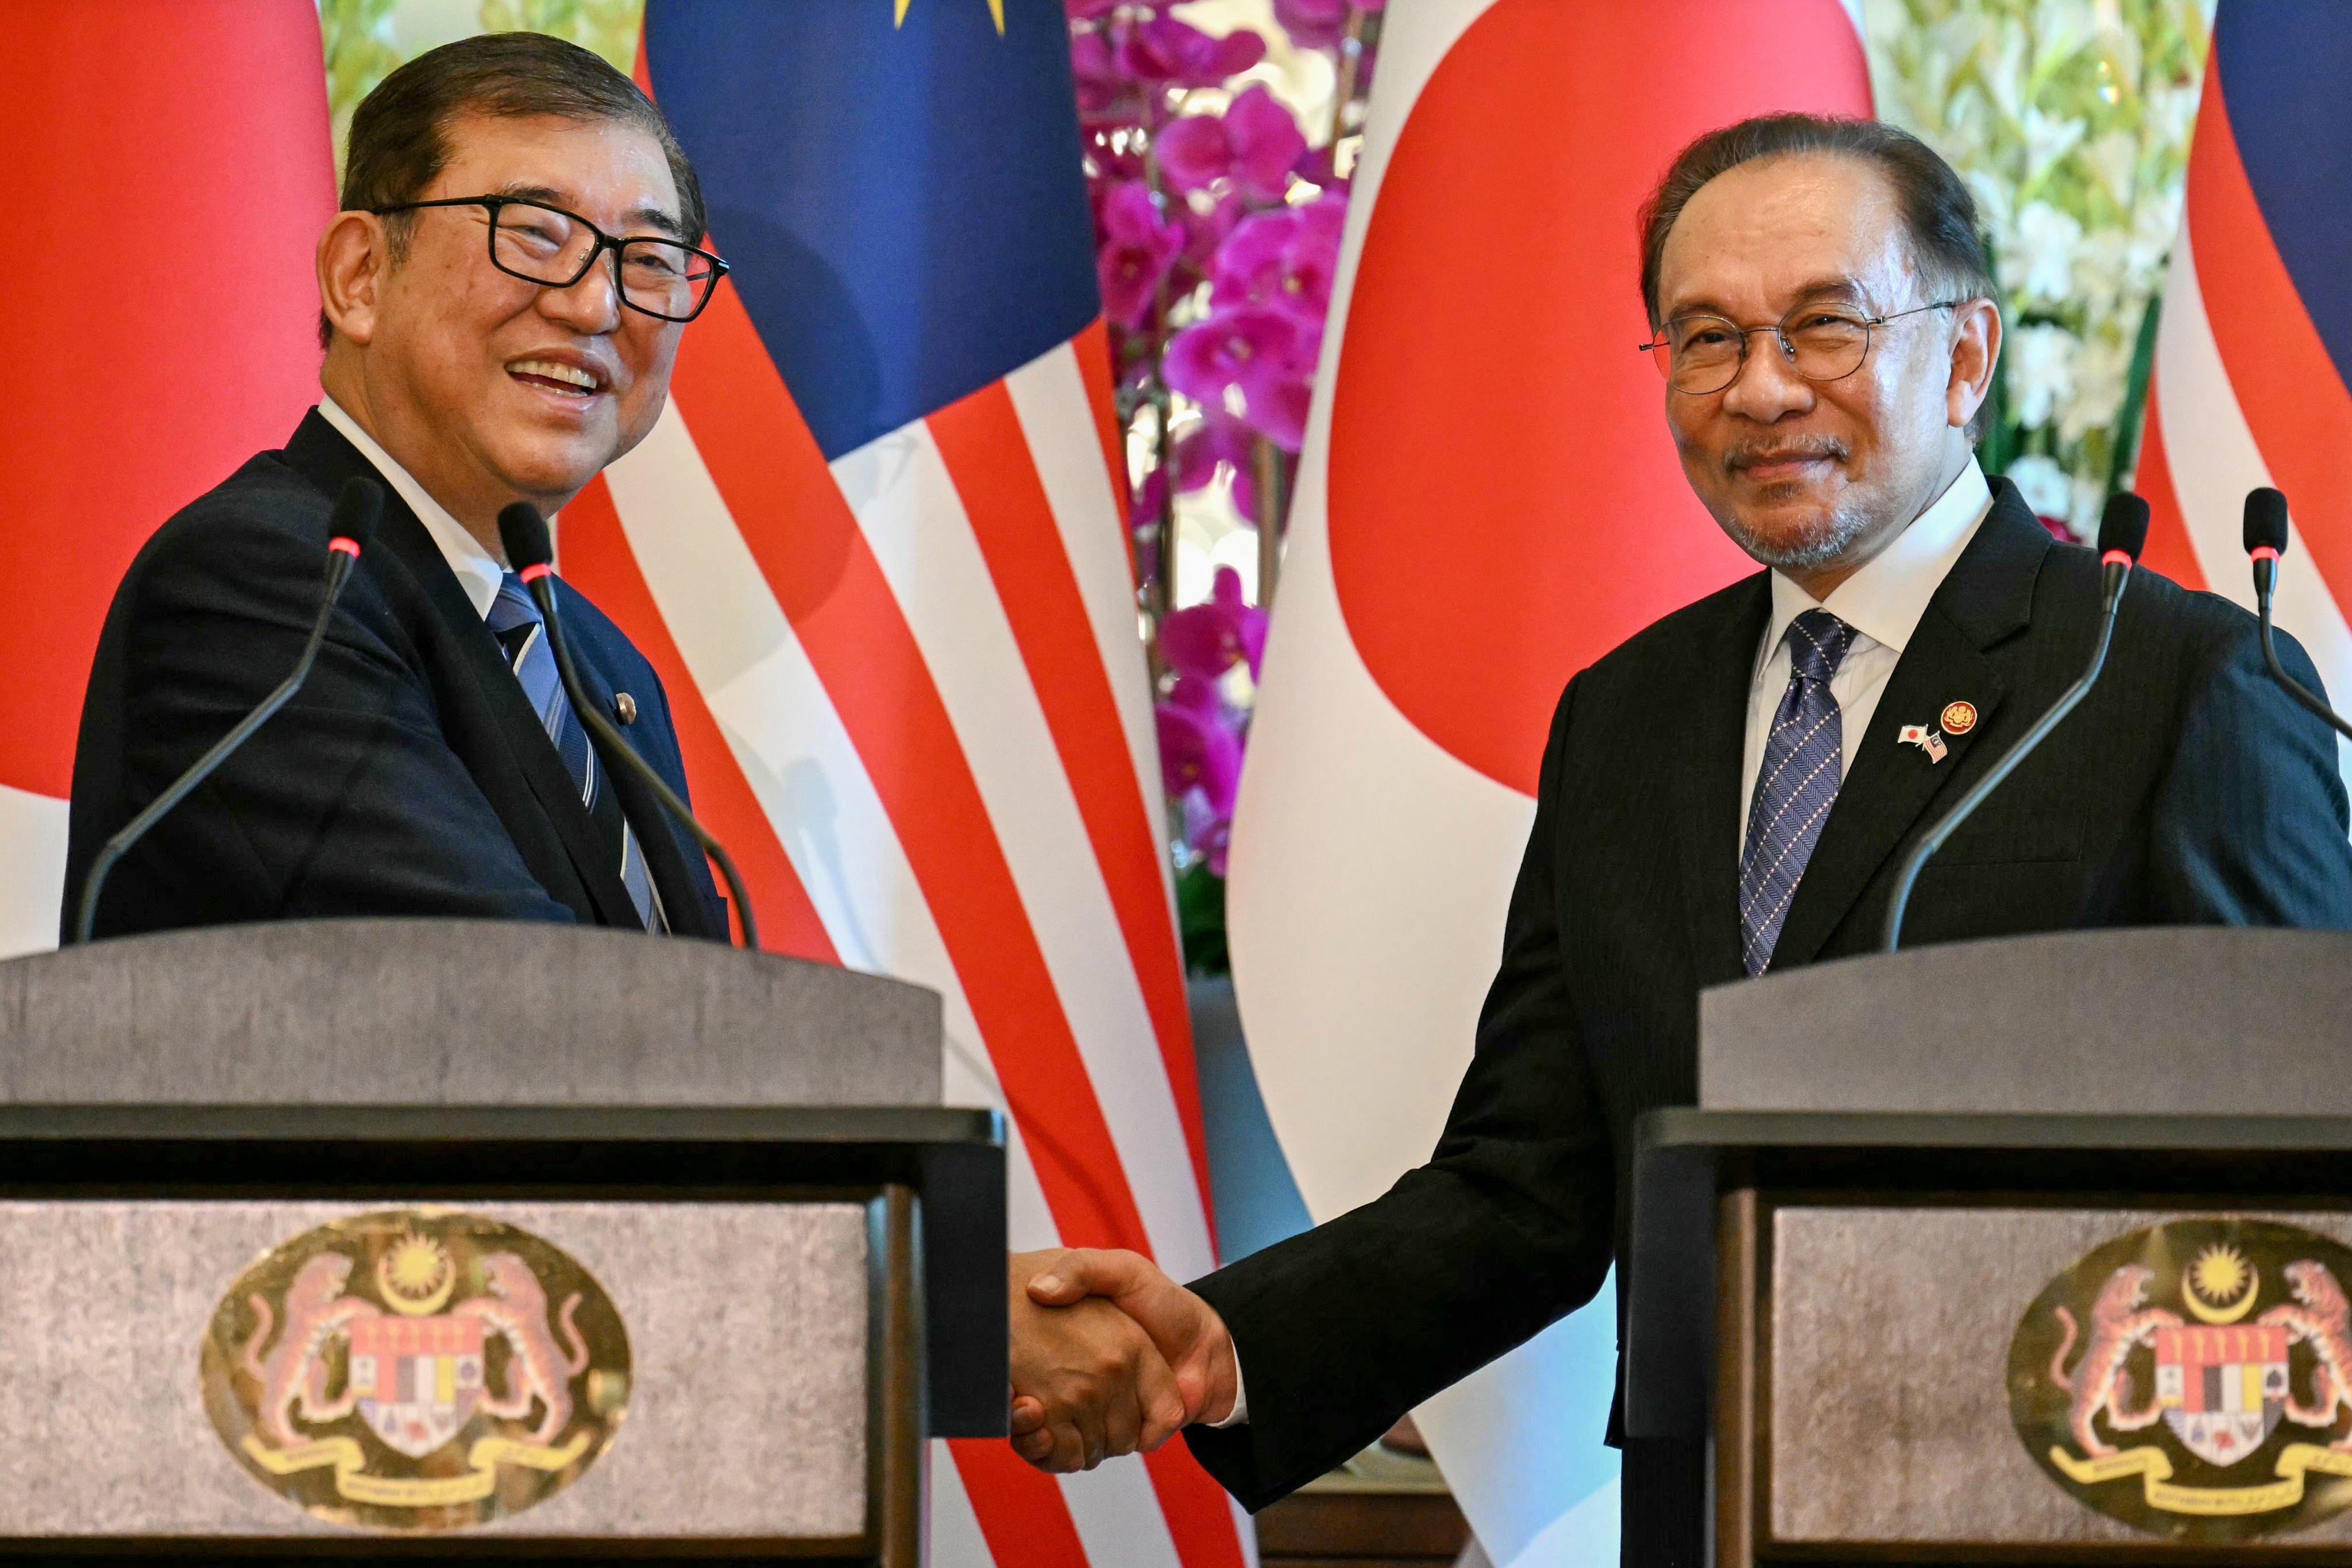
1935 206
399 140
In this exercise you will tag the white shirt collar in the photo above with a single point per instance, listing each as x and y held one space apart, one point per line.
1884 599
478 572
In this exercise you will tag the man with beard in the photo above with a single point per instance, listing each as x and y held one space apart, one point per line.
1730 792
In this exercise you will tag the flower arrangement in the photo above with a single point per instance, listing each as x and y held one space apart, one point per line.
367 40
2069 120
1217 222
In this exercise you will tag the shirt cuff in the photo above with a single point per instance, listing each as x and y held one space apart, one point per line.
1240 1413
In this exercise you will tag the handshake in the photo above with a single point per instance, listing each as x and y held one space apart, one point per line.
1110 1356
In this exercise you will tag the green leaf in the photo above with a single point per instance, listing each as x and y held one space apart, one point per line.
1201 918
2134 413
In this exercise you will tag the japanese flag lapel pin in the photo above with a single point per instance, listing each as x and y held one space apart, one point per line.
1927 739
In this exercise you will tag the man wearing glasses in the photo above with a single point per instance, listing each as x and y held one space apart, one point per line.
1728 793
501 300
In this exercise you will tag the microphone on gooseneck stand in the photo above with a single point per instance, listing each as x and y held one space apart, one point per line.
2266 541
357 511
2122 532
529 550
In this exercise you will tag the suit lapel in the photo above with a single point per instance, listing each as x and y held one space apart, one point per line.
1987 596
482 675
1713 734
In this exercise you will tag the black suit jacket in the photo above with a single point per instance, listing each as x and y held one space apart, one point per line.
410 776
2186 789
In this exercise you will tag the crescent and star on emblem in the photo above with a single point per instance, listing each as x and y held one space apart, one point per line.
2220 1286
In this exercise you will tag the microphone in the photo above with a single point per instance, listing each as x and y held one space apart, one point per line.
357 511
524 534
2266 541
2123 529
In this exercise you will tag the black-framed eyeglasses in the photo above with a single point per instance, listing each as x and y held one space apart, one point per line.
1700 355
542 244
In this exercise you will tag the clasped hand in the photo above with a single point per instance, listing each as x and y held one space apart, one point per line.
1109 1356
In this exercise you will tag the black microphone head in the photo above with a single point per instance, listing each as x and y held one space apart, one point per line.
358 509
2265 520
524 534
2124 525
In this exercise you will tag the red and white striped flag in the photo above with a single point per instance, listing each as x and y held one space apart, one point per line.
2253 353
182 144
875 548
1487 500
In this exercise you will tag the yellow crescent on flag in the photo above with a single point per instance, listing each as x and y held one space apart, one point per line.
995 9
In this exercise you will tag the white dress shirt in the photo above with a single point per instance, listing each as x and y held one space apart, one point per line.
1883 603
478 572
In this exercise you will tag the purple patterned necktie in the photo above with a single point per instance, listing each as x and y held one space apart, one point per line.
1796 786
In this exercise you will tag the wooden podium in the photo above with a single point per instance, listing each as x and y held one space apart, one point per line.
2022 1251
472 1240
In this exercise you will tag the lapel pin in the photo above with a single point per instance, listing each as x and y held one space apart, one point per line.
626 706
1927 739
1959 718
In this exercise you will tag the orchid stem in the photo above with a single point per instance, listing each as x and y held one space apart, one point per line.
1351 60
1270 506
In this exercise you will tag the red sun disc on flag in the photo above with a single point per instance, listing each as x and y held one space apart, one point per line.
1506 502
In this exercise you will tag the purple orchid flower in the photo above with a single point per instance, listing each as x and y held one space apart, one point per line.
1317 169
1242 348
1197 750
1319 24
1248 268
1112 161
1195 152
1267 355
1278 408
1254 143
1217 440
1101 82
1208 837
1205 231
1284 259
1203 641
1150 498
1164 49
1089 10
1137 247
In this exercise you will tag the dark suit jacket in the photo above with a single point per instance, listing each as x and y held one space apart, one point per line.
410 776
2186 789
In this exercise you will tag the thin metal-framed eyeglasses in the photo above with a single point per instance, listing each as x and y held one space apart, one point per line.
667 279
1699 355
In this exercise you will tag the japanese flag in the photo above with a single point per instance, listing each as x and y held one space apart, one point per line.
1487 500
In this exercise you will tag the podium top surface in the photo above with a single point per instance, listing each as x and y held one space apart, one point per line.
422 1012
2158 1021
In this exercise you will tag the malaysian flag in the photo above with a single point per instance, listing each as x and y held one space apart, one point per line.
2253 356
877 548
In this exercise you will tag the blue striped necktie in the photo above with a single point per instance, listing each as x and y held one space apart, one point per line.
514 621
1796 786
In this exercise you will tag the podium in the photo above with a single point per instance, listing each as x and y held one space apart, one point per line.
477 1240
2030 1250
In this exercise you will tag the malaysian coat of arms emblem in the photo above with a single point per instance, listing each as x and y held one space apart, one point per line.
2194 1379
415 1370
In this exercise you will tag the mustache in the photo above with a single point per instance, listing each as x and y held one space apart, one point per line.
1747 455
